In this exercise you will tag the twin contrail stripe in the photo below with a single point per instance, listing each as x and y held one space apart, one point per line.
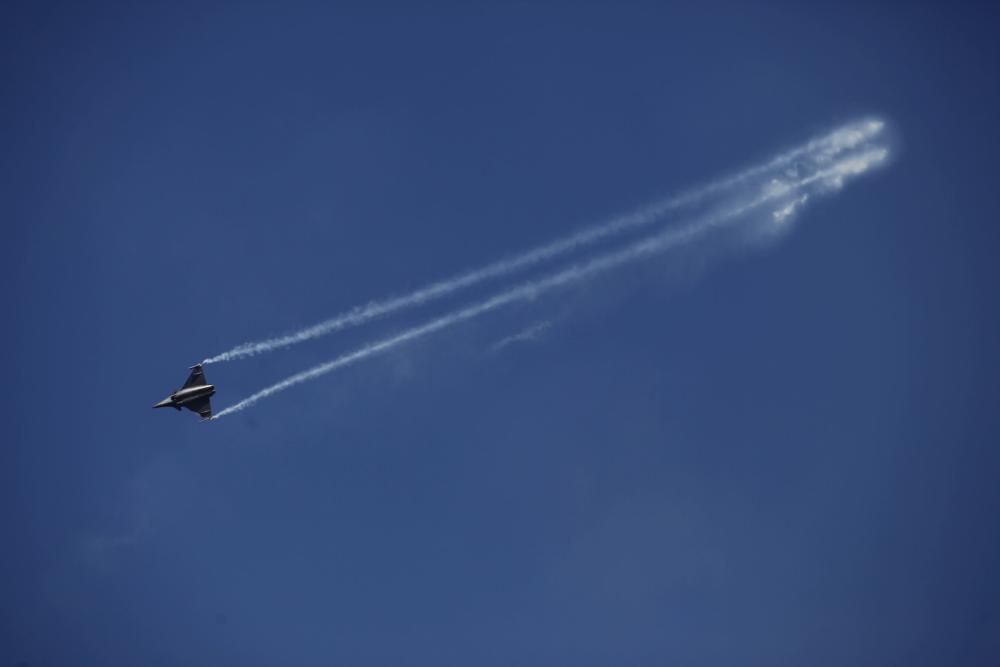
780 194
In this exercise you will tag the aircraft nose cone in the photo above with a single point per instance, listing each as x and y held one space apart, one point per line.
165 403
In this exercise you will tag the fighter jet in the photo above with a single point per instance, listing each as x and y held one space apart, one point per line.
194 395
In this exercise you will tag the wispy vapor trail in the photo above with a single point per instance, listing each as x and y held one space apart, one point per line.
816 153
523 336
779 193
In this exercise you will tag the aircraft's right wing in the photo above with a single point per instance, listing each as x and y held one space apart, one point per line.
196 379
203 406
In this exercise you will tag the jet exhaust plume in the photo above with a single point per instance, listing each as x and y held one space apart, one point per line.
814 153
778 193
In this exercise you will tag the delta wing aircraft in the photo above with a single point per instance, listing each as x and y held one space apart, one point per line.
194 395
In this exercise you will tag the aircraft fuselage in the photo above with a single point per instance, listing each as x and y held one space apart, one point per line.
186 395
195 395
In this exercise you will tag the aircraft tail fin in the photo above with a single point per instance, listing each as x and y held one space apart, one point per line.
197 377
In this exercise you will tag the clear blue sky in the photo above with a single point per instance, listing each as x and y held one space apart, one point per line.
790 459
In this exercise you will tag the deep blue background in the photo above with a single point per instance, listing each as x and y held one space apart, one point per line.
788 459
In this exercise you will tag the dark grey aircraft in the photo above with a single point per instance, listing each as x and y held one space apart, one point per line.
194 395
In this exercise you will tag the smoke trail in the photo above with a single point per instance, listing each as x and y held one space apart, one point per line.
780 193
818 151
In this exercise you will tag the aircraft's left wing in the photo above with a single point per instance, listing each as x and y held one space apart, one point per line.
197 377
203 406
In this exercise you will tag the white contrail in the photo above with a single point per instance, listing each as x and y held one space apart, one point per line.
819 151
778 193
